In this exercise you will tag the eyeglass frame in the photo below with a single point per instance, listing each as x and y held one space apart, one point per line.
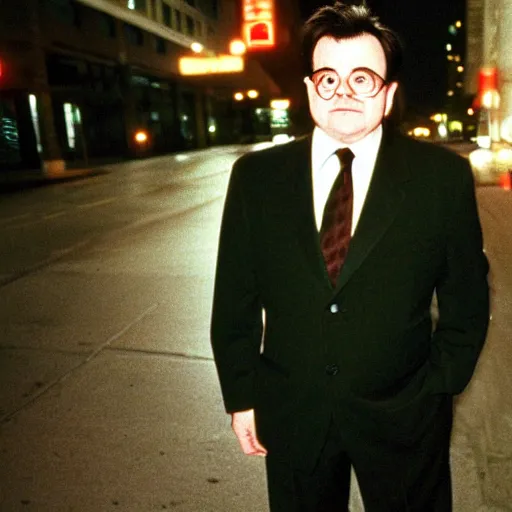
372 72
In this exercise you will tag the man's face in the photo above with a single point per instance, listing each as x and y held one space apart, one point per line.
347 117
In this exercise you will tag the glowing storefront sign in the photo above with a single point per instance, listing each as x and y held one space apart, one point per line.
258 23
211 65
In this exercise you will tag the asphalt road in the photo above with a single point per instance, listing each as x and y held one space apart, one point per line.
108 393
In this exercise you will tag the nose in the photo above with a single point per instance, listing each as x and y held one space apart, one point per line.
343 88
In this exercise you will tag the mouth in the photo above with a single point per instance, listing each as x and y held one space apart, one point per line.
344 110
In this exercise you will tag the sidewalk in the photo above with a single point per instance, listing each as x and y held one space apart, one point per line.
15 180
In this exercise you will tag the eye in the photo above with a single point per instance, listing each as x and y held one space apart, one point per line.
361 79
327 79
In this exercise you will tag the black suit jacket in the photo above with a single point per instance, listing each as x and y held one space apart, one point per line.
365 351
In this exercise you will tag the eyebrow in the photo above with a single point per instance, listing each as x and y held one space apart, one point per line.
355 69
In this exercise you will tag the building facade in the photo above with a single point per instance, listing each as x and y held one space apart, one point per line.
80 80
490 46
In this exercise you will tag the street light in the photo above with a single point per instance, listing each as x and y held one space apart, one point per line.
196 47
237 47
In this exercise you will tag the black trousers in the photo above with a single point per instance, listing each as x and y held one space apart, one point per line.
391 478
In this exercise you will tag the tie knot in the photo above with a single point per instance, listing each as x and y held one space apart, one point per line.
345 157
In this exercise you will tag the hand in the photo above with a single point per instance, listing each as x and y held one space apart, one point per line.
245 429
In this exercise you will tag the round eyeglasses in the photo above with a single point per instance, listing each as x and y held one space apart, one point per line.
362 82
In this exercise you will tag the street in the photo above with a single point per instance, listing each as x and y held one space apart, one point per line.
109 398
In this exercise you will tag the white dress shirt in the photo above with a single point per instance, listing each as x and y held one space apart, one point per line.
326 166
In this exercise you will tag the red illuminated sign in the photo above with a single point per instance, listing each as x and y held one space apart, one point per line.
258 24
488 80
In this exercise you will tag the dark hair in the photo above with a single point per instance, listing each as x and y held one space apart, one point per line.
342 21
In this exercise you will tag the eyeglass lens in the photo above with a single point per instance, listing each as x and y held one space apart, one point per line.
361 82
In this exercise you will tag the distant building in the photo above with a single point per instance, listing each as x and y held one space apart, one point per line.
80 78
489 45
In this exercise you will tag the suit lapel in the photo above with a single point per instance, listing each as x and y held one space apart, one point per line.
382 203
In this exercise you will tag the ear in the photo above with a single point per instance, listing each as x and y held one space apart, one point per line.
390 97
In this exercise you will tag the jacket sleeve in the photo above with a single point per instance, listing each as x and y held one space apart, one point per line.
462 294
236 326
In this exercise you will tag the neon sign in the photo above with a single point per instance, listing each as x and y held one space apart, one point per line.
258 24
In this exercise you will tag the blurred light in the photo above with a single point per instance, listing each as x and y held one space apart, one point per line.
480 158
450 93
437 118
483 141
253 94
457 58
141 137
181 158
282 138
452 30
210 65
70 125
506 129
280 104
504 158
258 24
471 112
421 131
449 47
458 24
450 57
237 47
455 126
212 128
460 69
32 99
442 131
238 96
459 85
506 181
488 95
491 99
261 145
197 47
131 4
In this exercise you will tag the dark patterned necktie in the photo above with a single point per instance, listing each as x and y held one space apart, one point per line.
336 227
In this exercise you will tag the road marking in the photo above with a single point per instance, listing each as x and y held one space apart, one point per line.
7 220
54 215
97 203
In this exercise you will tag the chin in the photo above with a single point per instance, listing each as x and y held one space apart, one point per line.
346 135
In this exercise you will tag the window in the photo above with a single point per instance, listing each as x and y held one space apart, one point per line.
65 11
190 26
160 45
152 3
107 25
136 5
133 35
177 18
166 14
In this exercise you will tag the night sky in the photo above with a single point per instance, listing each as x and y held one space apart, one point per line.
423 27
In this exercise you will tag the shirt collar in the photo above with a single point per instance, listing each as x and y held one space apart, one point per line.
323 146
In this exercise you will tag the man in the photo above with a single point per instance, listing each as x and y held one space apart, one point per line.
341 239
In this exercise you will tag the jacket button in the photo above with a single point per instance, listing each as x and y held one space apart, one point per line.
334 309
332 369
